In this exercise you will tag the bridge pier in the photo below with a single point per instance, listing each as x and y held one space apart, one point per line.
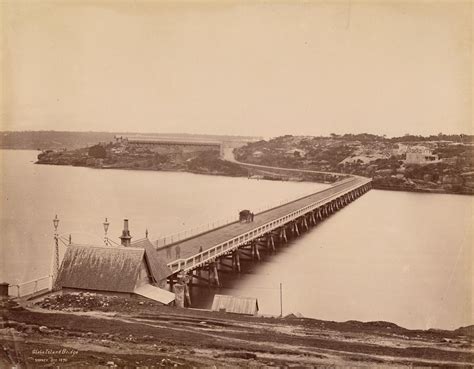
272 243
216 275
284 235
255 252
213 275
236 260
183 297
305 222
319 215
295 227
326 211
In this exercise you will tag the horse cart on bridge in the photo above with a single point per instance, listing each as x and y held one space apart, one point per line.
246 216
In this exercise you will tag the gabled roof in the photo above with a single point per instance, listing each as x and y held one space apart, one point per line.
101 268
158 267
235 304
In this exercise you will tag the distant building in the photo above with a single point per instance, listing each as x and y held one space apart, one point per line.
468 179
235 304
420 155
257 154
400 150
296 152
167 145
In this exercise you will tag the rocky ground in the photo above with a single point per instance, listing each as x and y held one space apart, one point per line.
83 330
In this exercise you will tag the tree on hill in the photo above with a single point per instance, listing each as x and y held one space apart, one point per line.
97 151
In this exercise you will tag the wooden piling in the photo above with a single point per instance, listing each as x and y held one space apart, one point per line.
237 259
257 252
216 275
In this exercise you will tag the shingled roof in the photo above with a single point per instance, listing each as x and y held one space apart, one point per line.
158 267
100 268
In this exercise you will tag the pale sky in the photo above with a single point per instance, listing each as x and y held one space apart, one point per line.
237 68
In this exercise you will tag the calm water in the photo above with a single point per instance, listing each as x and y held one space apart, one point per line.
394 256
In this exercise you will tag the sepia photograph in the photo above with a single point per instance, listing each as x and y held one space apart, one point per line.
236 184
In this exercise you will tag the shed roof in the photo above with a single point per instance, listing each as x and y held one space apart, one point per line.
155 293
158 267
100 268
235 304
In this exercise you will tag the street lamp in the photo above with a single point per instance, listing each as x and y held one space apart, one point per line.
56 223
56 253
106 228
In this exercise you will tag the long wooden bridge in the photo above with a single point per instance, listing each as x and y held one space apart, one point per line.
222 247
209 251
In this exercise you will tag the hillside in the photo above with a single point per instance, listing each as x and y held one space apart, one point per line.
411 163
115 155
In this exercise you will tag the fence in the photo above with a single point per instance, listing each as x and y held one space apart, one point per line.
30 287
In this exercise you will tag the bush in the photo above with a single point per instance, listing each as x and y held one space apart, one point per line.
97 151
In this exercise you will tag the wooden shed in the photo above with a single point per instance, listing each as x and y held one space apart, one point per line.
235 304
118 270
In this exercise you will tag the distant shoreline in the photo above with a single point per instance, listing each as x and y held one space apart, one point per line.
217 173
276 177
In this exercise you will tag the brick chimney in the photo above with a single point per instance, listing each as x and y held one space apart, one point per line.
125 237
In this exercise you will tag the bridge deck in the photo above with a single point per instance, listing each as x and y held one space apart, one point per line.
191 246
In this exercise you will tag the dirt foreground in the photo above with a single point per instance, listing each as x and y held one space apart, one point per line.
84 330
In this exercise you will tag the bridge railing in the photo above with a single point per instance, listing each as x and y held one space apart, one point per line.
183 235
212 253
179 236
30 287
301 196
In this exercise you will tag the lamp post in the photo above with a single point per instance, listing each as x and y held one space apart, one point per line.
56 253
106 228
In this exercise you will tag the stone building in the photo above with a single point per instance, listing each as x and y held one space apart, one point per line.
420 155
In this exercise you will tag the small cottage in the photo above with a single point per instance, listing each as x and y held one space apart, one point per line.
131 270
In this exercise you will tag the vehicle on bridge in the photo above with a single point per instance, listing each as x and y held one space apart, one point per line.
246 216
